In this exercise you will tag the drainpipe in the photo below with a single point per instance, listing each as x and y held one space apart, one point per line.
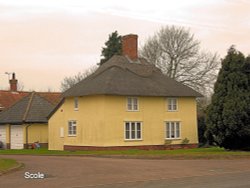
27 134
26 114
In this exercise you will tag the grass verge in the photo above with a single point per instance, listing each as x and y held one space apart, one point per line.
198 153
6 164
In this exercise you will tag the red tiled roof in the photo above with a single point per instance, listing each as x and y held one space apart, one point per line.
53 97
8 98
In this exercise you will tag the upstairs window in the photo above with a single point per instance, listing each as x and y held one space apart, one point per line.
132 104
76 103
72 128
172 104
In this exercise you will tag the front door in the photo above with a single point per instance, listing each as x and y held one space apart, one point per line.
16 137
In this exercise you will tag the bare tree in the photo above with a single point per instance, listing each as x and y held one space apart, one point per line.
68 82
20 86
175 51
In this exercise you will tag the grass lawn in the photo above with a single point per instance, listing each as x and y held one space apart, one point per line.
6 164
198 153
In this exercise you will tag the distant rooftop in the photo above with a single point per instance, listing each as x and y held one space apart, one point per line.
33 108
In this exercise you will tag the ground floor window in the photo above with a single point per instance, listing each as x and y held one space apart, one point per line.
72 128
133 130
173 130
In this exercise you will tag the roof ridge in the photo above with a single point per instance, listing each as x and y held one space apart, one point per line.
28 106
48 92
8 91
44 98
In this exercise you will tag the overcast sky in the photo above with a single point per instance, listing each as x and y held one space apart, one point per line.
43 41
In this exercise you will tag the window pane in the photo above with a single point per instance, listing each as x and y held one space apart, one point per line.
174 101
129 103
69 127
138 134
172 130
127 130
135 104
76 102
138 126
174 104
127 126
174 107
167 130
169 104
127 135
133 135
135 107
169 107
129 107
177 130
132 130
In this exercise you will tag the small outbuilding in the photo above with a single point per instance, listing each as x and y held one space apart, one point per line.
25 122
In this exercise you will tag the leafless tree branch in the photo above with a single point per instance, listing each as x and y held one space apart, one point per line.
68 82
175 51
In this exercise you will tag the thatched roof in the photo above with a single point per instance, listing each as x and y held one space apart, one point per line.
121 76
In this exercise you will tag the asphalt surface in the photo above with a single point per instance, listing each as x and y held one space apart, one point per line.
93 172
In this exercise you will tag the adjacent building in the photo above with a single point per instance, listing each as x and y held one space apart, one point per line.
23 119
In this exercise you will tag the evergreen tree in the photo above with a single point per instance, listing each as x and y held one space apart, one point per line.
228 115
112 47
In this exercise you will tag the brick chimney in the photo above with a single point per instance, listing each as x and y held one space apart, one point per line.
129 46
13 83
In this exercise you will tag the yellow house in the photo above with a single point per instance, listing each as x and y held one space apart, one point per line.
126 103
25 122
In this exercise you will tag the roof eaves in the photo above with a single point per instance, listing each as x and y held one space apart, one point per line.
56 108
11 123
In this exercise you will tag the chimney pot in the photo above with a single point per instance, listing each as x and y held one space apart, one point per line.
13 83
129 46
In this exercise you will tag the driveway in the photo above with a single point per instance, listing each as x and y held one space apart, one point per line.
80 172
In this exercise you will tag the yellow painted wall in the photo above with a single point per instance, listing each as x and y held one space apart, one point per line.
36 132
100 121
55 123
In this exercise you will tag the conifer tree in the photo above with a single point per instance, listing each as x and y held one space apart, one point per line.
228 115
112 47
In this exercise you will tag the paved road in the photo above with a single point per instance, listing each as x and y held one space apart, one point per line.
82 172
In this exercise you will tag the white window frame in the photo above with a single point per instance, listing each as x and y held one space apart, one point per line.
70 127
76 104
130 130
171 105
132 104
172 134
